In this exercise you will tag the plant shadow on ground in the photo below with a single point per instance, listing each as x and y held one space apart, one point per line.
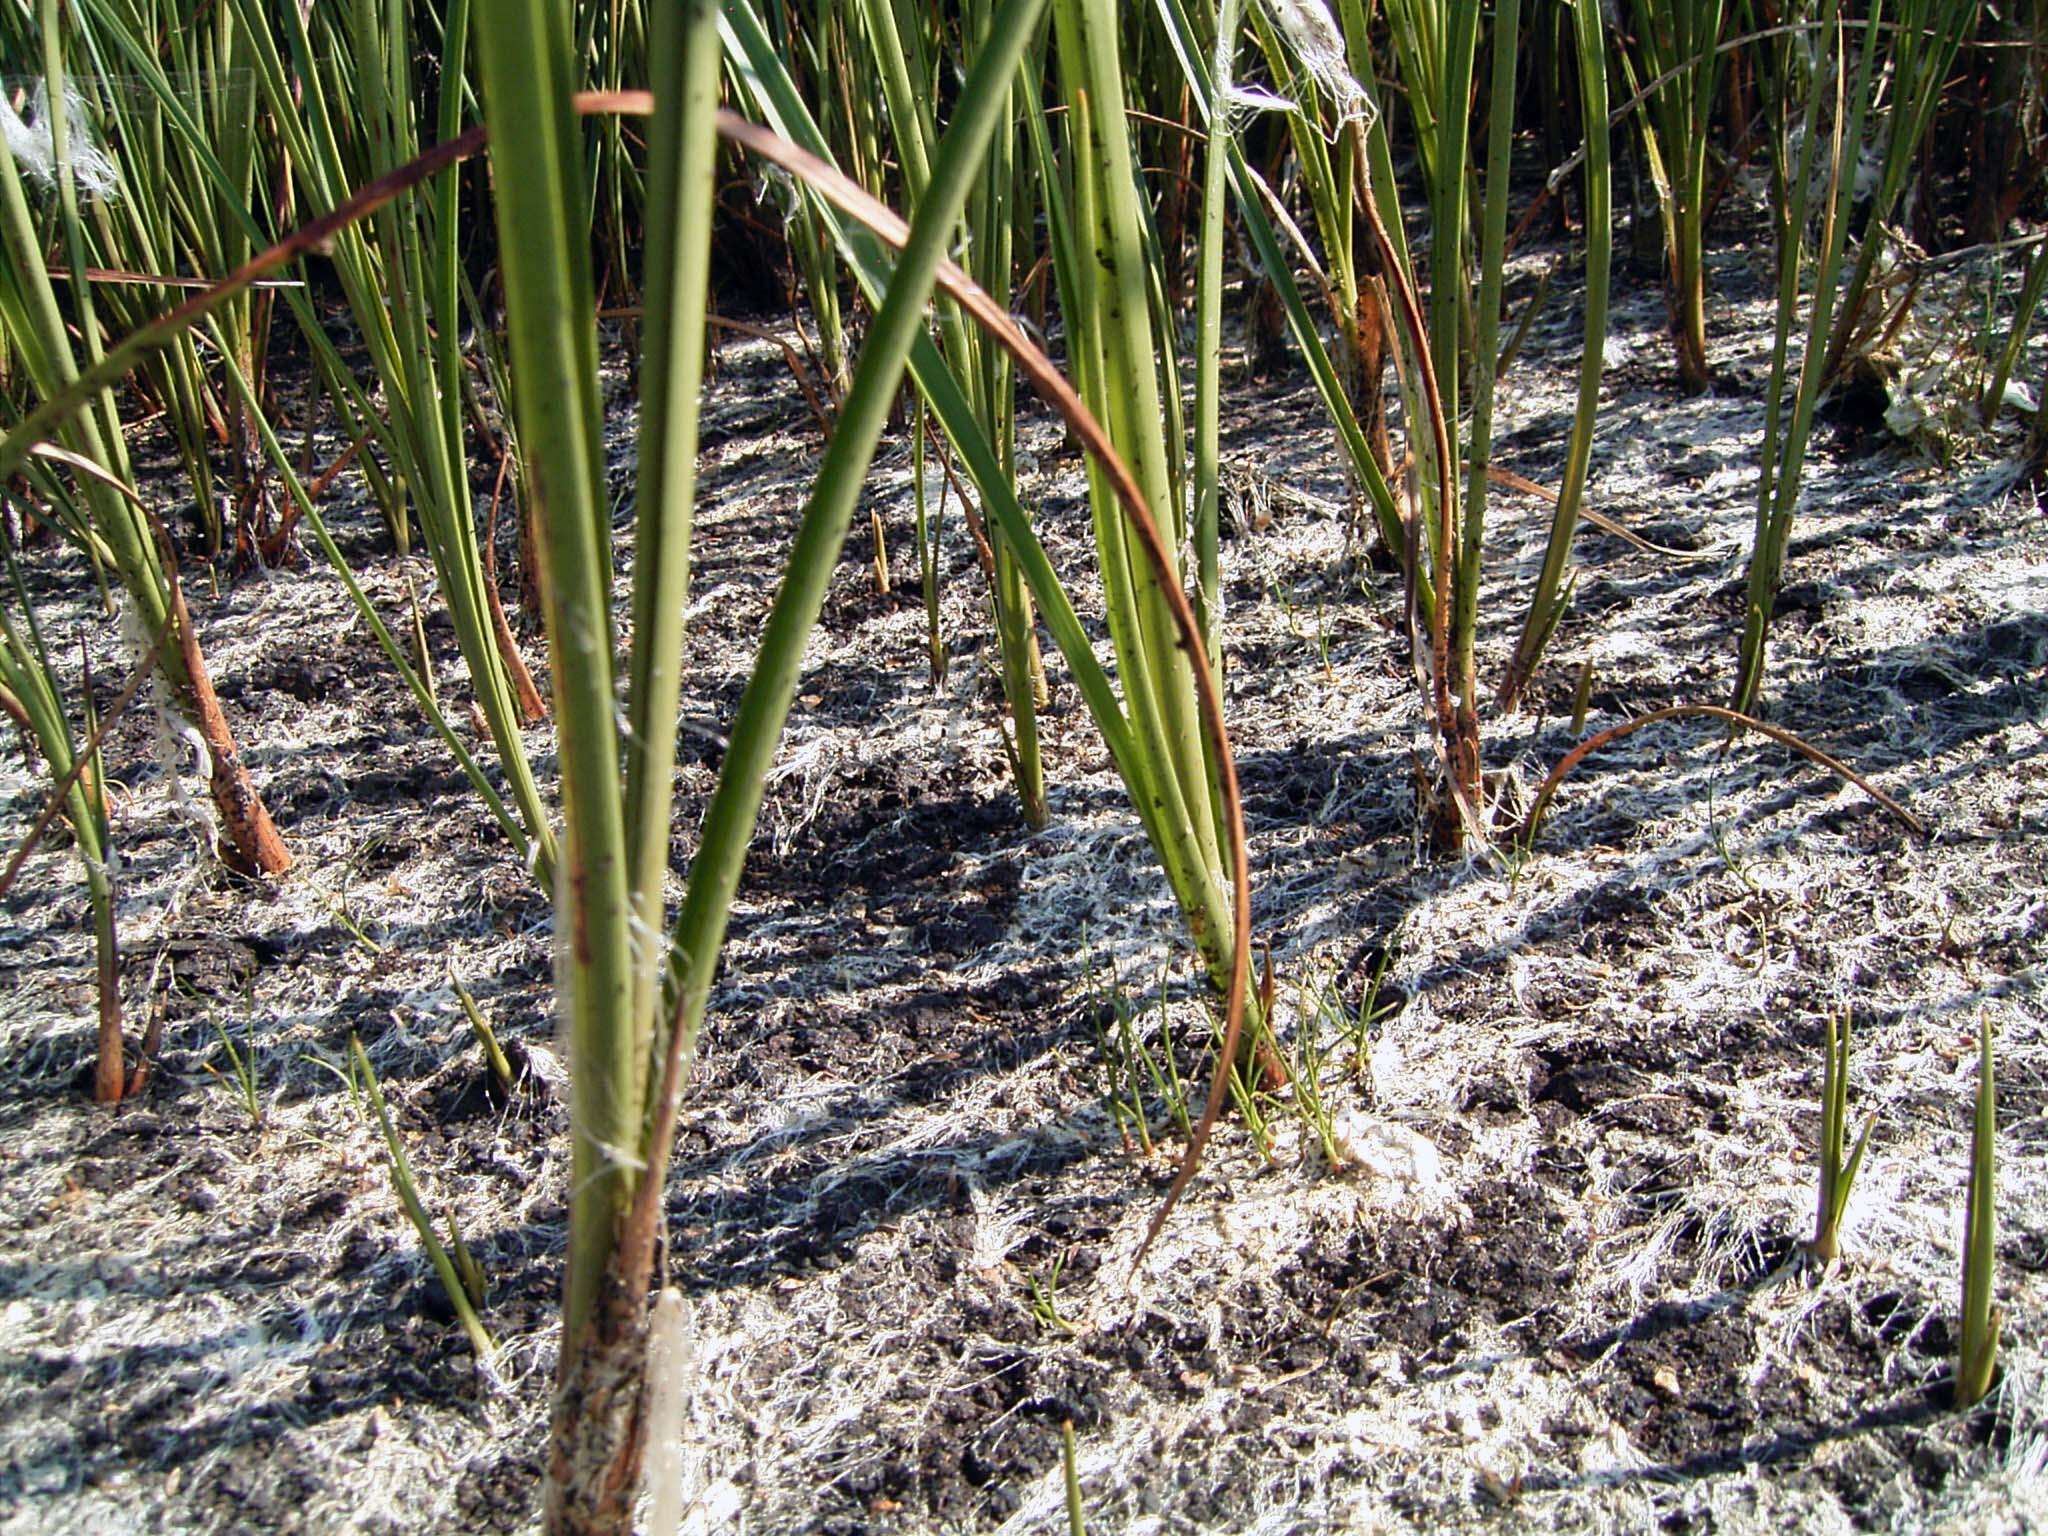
893 1121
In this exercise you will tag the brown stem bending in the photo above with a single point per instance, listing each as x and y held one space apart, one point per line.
110 1075
1053 387
253 844
637 1246
532 707
1612 734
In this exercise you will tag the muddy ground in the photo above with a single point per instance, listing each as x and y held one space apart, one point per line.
1545 1285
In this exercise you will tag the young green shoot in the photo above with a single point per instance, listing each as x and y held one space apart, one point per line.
1977 1347
1131 1067
1305 1065
486 1037
1071 1467
1357 1026
1044 1299
1253 1104
447 1266
1838 1165
241 1078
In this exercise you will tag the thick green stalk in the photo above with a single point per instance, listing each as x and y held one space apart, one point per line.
677 283
1130 404
1977 1349
909 109
527 61
536 151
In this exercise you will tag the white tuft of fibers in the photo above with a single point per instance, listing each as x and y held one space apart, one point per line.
1236 100
1389 1150
29 142
671 1372
1312 34
175 732
1246 100
176 737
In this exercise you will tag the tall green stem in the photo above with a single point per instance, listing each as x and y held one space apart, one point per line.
1786 436
771 687
1547 602
1500 134
681 196
1209 344
529 72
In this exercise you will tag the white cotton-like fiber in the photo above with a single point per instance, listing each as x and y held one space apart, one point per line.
671 1373
177 741
1388 1150
1312 33
29 141
1247 100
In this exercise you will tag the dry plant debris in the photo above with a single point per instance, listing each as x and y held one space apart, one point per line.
1610 1049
